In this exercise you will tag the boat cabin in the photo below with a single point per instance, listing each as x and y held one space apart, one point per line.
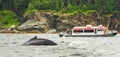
89 30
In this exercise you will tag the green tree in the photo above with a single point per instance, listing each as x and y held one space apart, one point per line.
8 18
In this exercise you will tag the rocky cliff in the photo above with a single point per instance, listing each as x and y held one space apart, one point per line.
49 22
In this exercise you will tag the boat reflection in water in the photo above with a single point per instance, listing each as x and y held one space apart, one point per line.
89 31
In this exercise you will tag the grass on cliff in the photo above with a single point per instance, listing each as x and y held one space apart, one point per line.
8 18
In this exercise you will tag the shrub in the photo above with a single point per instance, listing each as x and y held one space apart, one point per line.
8 18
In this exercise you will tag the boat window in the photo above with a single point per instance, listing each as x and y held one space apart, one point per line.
78 31
95 31
100 30
88 30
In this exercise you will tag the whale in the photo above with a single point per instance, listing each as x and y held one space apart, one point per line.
39 41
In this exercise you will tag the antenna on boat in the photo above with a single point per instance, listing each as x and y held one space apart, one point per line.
99 19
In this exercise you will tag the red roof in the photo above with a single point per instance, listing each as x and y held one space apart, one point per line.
86 28
100 27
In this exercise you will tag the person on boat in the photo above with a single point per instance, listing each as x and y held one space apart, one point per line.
106 30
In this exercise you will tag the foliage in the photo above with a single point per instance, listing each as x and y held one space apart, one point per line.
17 6
30 11
66 6
101 7
8 18
87 12
70 6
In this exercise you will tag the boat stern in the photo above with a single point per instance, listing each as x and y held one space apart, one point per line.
114 32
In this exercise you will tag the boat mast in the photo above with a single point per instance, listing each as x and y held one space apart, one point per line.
99 18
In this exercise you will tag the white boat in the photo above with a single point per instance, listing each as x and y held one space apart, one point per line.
89 31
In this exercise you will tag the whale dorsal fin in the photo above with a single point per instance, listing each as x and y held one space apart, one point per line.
34 38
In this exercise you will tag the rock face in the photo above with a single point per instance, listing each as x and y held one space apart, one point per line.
1 28
49 22
46 22
11 29
41 22
118 27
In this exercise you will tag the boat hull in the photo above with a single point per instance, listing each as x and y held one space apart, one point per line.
101 35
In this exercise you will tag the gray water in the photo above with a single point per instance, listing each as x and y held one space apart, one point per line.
11 46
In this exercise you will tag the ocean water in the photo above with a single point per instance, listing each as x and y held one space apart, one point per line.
11 46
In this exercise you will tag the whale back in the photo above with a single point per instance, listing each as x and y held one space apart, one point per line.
40 41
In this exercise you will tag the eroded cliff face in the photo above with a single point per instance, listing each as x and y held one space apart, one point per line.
49 22
35 22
